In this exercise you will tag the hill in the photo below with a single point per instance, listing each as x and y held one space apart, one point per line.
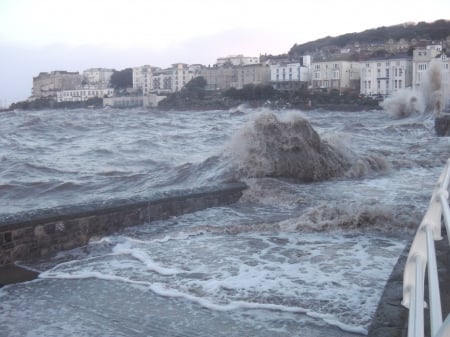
410 34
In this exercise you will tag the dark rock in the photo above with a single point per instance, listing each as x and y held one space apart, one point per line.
442 125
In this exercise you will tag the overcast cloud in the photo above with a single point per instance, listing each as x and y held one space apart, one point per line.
46 35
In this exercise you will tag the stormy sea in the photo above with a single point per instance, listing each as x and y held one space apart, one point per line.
332 200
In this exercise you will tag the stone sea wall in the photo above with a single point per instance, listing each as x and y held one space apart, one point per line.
40 233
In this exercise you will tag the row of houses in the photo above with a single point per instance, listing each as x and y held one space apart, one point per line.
375 77
66 86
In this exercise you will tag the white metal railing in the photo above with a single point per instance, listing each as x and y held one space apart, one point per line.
421 258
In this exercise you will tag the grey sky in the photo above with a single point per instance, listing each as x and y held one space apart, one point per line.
51 35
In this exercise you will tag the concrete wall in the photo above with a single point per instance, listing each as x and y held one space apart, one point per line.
40 233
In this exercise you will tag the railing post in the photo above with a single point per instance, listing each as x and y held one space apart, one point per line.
443 197
416 315
433 285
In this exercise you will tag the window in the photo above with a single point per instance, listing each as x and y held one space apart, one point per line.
399 84
387 72
336 74
400 72
422 67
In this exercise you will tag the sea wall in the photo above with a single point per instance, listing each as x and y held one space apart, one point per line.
40 233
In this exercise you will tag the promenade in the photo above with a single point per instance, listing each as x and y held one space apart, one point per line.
391 317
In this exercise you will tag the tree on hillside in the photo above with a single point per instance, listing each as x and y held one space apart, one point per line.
122 79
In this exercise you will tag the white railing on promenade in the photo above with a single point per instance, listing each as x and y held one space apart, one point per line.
421 258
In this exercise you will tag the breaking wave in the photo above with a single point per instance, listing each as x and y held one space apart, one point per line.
288 146
342 215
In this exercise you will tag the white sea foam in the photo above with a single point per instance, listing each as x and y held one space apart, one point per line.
254 270
144 258
162 290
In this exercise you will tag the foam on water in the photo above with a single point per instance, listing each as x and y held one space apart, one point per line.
290 259
288 272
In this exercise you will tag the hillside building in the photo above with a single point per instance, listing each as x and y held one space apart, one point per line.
237 60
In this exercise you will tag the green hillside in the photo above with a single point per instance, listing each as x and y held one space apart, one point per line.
434 31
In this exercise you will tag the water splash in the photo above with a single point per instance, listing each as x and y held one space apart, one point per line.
268 146
427 99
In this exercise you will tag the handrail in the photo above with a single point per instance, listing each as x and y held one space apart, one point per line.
421 254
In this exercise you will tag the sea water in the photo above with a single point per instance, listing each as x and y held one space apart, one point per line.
333 199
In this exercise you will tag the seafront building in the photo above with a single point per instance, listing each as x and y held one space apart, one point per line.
335 75
287 75
377 77
47 85
424 58
81 95
383 76
97 78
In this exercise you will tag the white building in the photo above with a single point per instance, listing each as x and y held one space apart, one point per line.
339 75
142 76
382 77
152 79
97 77
160 81
423 61
182 74
422 58
237 60
81 95
289 76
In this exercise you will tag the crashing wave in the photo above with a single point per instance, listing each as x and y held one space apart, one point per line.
341 215
427 99
289 147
